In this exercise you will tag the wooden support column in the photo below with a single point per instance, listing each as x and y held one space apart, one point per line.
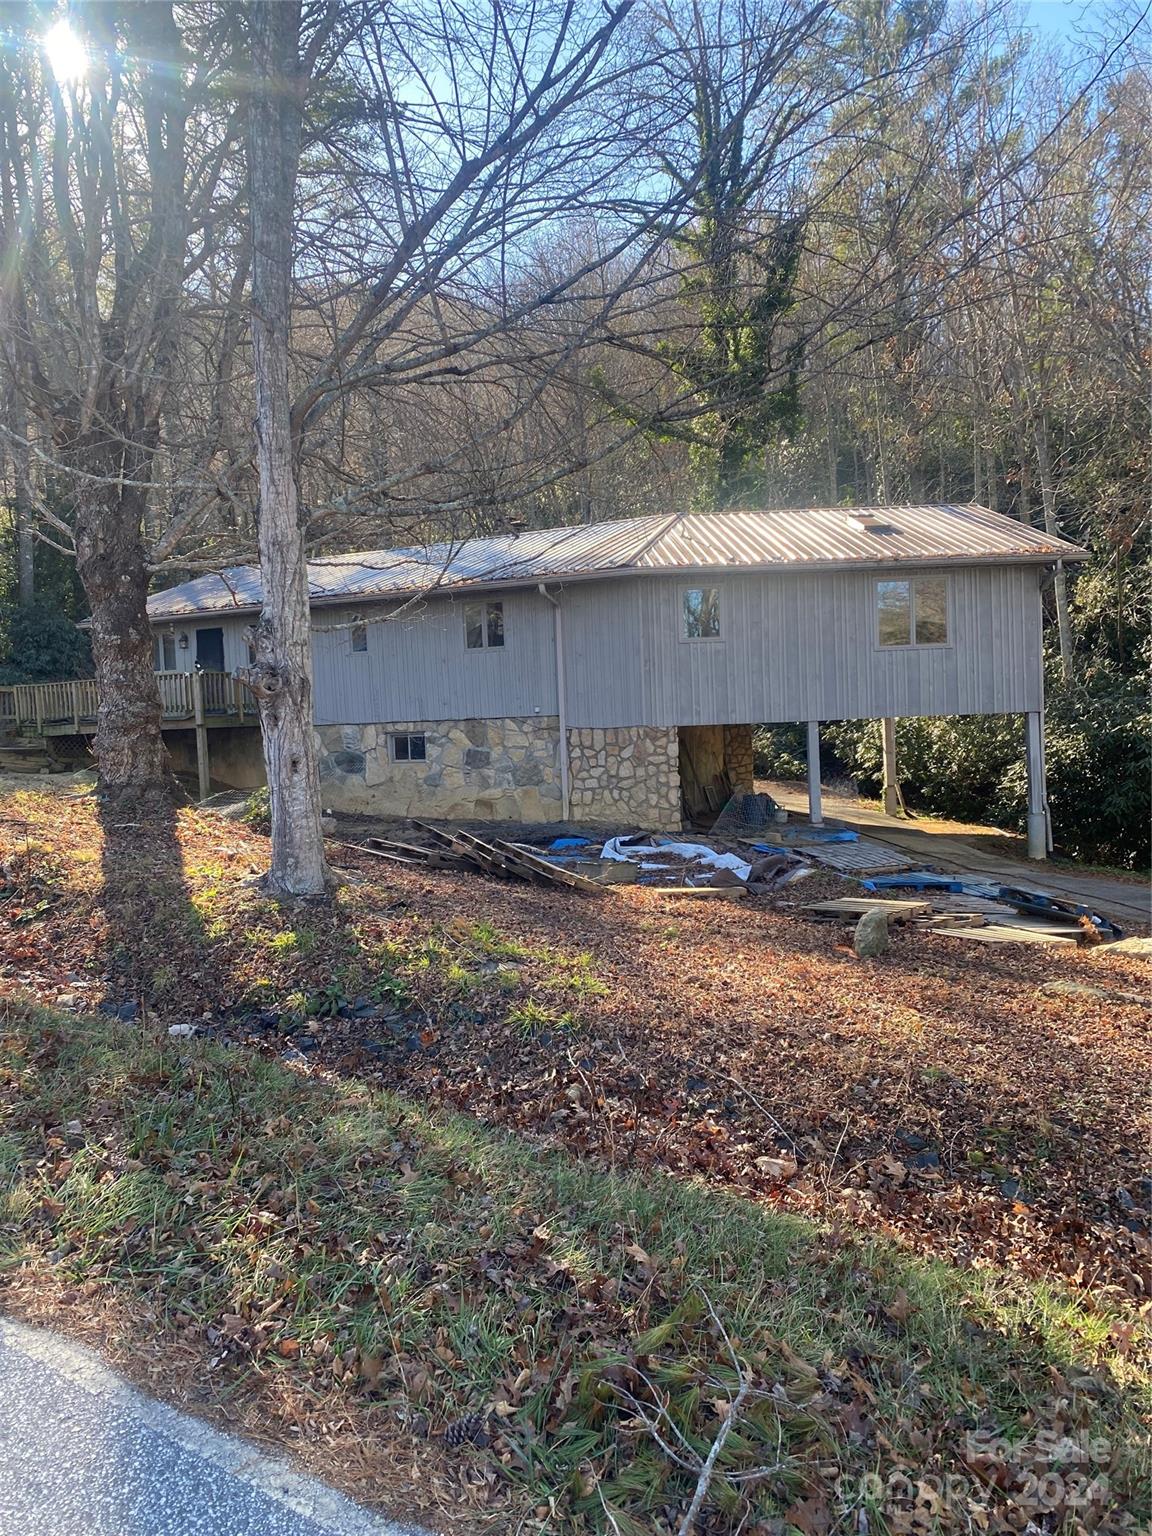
201 736
1037 809
891 774
815 805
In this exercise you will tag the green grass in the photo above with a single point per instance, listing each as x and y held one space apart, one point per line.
371 1252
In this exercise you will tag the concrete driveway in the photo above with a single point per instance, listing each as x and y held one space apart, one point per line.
84 1454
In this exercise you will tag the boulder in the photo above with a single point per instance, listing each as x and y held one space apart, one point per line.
871 937
1131 949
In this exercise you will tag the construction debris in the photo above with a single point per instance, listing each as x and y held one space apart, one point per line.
954 905
461 850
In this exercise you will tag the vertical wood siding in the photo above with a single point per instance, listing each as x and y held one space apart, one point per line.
797 646
417 666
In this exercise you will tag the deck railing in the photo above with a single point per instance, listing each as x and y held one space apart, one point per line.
75 702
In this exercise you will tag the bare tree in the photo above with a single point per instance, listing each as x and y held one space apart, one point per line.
100 195
281 672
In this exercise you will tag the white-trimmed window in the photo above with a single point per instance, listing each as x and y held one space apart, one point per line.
483 626
912 610
359 634
701 612
166 652
409 748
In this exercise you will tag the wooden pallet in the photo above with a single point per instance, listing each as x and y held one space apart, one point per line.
994 933
860 858
856 906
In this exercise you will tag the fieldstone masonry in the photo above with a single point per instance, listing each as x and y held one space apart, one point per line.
738 758
498 770
625 775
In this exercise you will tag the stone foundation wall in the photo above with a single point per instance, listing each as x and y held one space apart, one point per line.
738 757
625 776
485 770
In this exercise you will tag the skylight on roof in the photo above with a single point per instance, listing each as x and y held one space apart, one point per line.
869 522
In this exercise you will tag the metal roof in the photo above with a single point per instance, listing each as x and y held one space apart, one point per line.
795 537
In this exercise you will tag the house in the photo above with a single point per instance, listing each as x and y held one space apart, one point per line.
597 672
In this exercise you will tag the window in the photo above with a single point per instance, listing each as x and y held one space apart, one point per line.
166 653
702 613
483 626
359 633
408 749
912 612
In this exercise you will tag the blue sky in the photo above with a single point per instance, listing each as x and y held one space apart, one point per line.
1054 17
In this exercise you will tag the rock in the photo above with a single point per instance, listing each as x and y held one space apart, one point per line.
871 937
925 1159
181 1031
74 1128
477 757
66 1000
1131 949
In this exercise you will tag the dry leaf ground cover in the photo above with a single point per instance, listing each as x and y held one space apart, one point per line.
899 1201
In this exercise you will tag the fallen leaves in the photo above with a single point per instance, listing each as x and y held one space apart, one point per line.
940 1100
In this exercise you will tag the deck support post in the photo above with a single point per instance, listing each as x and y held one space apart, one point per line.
1037 808
201 736
891 774
815 805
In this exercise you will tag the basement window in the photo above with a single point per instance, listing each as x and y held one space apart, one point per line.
912 611
409 749
359 634
483 626
702 613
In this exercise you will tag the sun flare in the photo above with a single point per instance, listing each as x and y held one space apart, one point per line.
66 52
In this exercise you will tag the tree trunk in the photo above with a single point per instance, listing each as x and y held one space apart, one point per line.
1052 529
22 500
281 675
135 776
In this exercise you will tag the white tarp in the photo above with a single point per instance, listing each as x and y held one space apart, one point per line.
648 855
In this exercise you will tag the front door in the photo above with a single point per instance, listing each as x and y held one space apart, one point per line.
210 650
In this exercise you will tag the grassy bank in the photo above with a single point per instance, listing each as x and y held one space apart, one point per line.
386 1286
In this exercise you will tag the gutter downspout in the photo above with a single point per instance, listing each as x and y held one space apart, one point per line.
561 698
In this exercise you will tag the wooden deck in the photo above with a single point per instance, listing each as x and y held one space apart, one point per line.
187 699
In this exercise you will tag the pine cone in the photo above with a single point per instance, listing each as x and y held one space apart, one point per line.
466 1431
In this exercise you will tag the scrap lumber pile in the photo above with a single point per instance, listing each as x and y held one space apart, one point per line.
986 916
460 850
